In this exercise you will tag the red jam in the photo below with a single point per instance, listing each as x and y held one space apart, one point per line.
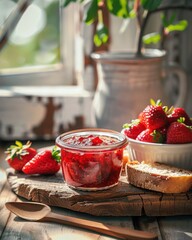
91 161
90 140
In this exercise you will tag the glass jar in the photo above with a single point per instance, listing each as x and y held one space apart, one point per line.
92 159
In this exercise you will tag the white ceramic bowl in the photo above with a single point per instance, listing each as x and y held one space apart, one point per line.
178 155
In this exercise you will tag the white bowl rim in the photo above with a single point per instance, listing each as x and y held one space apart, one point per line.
179 145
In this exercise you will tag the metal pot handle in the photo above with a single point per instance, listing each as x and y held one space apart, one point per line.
180 72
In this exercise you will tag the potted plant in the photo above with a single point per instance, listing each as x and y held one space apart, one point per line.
128 80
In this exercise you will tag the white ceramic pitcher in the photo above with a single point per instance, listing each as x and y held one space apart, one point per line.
126 83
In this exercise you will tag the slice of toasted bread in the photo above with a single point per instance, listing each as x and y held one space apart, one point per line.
159 177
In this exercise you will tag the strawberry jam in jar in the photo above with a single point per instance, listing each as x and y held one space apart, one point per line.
91 159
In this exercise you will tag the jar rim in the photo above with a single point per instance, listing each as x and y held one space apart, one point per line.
121 143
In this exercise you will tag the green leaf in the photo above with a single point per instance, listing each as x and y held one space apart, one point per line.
56 154
90 13
19 144
172 18
101 35
151 4
152 102
18 150
121 8
151 38
181 120
132 14
158 102
126 125
65 3
166 22
155 103
97 40
180 26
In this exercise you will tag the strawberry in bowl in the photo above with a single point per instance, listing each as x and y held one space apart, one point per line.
154 117
167 137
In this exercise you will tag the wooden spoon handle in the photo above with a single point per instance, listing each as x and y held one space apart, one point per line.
114 231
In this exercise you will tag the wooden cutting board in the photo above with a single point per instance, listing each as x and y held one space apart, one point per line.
121 200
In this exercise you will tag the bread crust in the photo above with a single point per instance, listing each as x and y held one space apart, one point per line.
159 177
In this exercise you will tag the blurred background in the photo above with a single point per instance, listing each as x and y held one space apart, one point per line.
47 78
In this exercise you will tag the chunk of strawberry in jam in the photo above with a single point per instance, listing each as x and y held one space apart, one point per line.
96 141
85 174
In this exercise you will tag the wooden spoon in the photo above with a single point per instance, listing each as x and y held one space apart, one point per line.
41 212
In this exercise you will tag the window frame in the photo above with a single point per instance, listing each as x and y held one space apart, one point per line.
62 73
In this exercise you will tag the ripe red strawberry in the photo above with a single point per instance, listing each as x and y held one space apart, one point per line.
45 162
133 129
179 132
18 155
178 113
150 136
153 117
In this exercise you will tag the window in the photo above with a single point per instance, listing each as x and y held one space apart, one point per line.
42 93
40 49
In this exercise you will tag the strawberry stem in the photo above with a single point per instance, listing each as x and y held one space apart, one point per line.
56 154
181 120
18 150
133 122
157 103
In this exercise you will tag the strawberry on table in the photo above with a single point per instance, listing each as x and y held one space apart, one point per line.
133 129
179 132
154 116
46 162
18 155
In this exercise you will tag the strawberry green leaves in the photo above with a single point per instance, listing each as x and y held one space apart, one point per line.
56 154
133 122
156 103
17 150
19 154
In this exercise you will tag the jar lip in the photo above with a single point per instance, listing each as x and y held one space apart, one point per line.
122 139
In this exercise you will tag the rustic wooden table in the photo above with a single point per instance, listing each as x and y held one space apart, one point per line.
12 227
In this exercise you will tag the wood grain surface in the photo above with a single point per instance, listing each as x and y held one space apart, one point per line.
121 200
11 227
